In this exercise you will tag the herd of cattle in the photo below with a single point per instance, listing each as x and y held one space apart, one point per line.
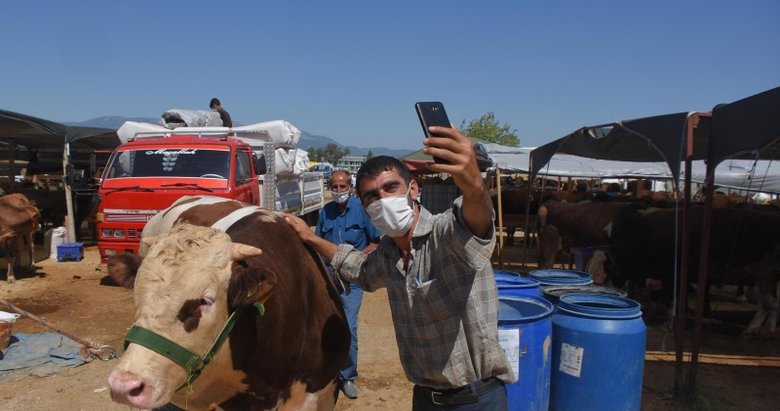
643 245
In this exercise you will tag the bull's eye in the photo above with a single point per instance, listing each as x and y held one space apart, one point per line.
191 311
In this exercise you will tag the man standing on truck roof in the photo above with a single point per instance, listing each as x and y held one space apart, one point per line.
223 114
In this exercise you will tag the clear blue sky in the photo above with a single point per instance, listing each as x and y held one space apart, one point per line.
352 70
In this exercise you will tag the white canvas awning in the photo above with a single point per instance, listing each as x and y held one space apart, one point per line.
761 175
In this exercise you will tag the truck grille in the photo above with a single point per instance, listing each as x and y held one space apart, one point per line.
128 218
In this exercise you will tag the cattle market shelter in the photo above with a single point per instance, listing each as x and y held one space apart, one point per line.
25 138
749 128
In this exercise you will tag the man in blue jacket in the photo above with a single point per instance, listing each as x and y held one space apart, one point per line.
344 221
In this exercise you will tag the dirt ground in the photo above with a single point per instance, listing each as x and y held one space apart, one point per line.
70 295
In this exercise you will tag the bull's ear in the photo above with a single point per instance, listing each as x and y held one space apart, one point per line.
249 284
240 252
149 241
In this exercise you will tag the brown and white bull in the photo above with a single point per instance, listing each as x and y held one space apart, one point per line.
193 278
19 219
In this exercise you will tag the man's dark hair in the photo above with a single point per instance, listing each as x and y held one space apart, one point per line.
214 102
376 165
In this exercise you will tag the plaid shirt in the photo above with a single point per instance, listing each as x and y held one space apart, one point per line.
444 307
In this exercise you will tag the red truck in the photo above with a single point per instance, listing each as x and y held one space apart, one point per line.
149 172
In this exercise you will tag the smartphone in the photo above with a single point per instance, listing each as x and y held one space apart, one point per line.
432 113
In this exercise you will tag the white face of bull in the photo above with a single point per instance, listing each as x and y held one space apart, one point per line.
180 294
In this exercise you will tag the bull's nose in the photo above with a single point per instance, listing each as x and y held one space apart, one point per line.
128 388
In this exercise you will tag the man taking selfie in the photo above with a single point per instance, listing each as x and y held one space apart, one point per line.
438 275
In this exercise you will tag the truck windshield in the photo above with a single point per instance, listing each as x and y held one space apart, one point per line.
172 162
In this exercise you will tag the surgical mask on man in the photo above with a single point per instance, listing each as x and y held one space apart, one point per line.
392 215
340 198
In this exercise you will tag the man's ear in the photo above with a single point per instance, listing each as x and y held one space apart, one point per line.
415 189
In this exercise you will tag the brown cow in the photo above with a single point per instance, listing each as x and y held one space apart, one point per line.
515 201
18 221
194 277
565 225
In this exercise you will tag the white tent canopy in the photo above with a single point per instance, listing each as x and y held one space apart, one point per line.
761 175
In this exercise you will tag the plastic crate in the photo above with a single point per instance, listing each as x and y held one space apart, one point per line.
70 252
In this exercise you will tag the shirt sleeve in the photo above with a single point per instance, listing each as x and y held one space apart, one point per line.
320 221
354 266
475 251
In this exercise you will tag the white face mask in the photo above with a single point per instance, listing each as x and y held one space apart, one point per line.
392 215
340 198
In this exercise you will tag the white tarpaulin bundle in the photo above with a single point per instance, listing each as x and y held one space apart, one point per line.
761 175
284 136
281 132
177 117
291 161
131 129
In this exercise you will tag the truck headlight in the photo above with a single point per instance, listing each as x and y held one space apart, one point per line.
113 233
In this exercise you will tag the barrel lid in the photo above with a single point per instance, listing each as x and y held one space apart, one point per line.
559 290
524 282
525 308
600 306
553 276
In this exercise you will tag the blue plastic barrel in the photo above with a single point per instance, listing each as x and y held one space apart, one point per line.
525 332
598 353
503 274
553 293
553 276
518 286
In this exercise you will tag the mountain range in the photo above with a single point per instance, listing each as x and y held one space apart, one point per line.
307 139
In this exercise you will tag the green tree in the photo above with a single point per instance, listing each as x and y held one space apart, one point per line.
332 153
487 128
369 155
313 154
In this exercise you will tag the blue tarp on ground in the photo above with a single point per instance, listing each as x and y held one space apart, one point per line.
39 354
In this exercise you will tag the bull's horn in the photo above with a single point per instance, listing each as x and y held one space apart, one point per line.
149 241
240 251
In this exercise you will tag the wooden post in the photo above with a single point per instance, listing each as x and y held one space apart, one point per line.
500 220
69 219
11 174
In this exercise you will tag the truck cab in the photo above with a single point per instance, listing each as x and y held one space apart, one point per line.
149 173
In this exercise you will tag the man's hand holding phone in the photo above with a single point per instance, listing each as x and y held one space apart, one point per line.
452 152
430 114
450 145
458 159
